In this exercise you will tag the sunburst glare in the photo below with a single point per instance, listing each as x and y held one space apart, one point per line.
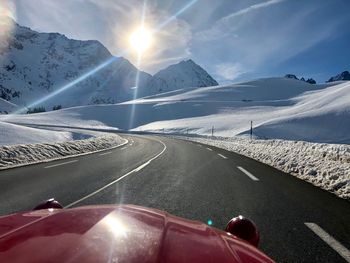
141 39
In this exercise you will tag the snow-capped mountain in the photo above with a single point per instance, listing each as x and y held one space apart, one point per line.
33 65
345 75
185 74
36 65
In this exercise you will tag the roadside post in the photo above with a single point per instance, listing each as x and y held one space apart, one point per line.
251 130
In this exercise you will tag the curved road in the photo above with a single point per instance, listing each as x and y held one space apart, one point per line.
298 222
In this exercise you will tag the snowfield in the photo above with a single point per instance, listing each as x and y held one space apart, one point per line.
24 154
280 108
324 165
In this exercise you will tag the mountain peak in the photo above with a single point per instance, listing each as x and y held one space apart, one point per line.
188 61
345 75
184 74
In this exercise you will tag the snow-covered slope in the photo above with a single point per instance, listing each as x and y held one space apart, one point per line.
185 74
279 108
7 107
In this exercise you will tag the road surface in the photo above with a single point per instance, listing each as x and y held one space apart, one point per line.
298 222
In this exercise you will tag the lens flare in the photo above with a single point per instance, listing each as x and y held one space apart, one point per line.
141 39
7 9
7 16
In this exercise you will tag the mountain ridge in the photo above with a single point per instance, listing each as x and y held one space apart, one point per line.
35 65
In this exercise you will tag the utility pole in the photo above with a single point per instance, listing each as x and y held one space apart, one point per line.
251 130
212 131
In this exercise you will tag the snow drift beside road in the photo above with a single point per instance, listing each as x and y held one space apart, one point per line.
17 134
324 165
18 155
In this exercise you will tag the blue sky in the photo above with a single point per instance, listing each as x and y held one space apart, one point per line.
233 40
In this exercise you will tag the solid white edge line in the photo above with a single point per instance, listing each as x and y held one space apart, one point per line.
222 156
120 178
247 173
209 149
101 154
58 164
331 241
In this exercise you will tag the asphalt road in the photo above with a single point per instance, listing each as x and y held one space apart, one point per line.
296 219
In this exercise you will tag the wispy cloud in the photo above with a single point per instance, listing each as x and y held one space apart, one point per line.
259 41
252 8
229 71
224 26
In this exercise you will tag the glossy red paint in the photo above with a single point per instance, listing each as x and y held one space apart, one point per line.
244 228
116 233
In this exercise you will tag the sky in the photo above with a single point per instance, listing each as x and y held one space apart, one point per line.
234 40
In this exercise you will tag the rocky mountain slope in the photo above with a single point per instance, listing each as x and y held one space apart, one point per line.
345 75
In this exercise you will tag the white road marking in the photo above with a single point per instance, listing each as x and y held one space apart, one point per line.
120 178
247 173
209 149
101 154
124 148
223 156
58 164
339 248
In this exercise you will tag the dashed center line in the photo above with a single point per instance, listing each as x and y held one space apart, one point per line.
58 164
222 156
247 173
339 248
120 178
209 149
101 154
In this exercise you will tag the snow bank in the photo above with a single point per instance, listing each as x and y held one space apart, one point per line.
11 134
19 155
324 165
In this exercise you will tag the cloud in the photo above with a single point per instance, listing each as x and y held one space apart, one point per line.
224 26
252 8
229 71
260 41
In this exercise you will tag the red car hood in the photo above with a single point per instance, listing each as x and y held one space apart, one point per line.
116 233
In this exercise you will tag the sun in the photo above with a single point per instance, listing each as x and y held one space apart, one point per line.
140 40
